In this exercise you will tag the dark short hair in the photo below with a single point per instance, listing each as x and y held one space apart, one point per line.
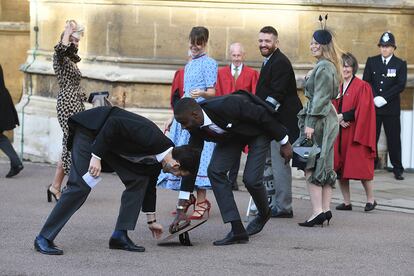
188 157
198 35
185 106
351 60
269 30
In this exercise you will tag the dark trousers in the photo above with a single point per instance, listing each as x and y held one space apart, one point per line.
234 172
77 191
392 128
224 156
8 149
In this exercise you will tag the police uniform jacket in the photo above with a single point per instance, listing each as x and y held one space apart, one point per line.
387 81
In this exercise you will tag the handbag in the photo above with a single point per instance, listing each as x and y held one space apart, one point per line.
302 150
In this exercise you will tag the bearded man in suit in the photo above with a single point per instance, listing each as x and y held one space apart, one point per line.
277 87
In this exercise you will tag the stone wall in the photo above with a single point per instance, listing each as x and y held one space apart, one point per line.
14 37
132 48
146 41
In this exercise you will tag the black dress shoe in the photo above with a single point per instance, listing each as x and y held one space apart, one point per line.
257 224
14 171
344 207
47 247
124 243
398 176
276 214
232 238
370 206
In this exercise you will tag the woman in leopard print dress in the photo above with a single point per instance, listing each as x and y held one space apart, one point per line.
70 97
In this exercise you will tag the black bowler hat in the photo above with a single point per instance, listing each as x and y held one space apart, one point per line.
387 39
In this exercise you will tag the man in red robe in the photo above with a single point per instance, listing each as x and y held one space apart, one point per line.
236 76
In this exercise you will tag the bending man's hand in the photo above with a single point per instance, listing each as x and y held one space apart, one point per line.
94 167
286 152
179 221
156 230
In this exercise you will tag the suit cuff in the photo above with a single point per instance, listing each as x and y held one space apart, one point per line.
184 195
284 140
96 156
273 102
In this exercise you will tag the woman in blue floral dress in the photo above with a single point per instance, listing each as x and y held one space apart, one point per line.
200 77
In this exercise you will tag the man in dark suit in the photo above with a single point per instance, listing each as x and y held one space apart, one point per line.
387 75
277 86
133 147
220 120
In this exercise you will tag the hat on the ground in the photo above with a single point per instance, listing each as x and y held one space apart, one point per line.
387 39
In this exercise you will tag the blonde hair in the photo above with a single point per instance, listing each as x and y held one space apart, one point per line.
333 53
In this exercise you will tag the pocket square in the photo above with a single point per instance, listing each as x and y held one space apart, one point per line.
229 125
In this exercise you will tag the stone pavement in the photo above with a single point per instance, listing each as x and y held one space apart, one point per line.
380 242
391 194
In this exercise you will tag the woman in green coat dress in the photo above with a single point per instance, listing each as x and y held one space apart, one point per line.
318 122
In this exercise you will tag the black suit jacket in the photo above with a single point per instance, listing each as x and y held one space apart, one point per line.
119 132
277 80
387 81
8 114
243 116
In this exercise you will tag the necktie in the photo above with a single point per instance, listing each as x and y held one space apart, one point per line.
212 135
236 73
384 61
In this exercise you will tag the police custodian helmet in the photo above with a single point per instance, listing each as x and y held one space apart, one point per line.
387 39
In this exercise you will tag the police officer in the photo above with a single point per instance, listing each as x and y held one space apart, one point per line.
387 75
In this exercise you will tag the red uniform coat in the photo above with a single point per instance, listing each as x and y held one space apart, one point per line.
247 80
177 88
355 146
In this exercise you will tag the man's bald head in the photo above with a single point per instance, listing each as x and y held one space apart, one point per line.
237 53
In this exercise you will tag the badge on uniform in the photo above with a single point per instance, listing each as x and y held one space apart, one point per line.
391 73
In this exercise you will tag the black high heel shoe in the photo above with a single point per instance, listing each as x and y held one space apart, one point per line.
318 220
52 192
328 215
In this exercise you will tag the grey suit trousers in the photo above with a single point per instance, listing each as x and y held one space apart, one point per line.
77 191
223 159
281 201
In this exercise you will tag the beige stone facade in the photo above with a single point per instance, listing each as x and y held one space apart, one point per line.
131 48
14 37
129 44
